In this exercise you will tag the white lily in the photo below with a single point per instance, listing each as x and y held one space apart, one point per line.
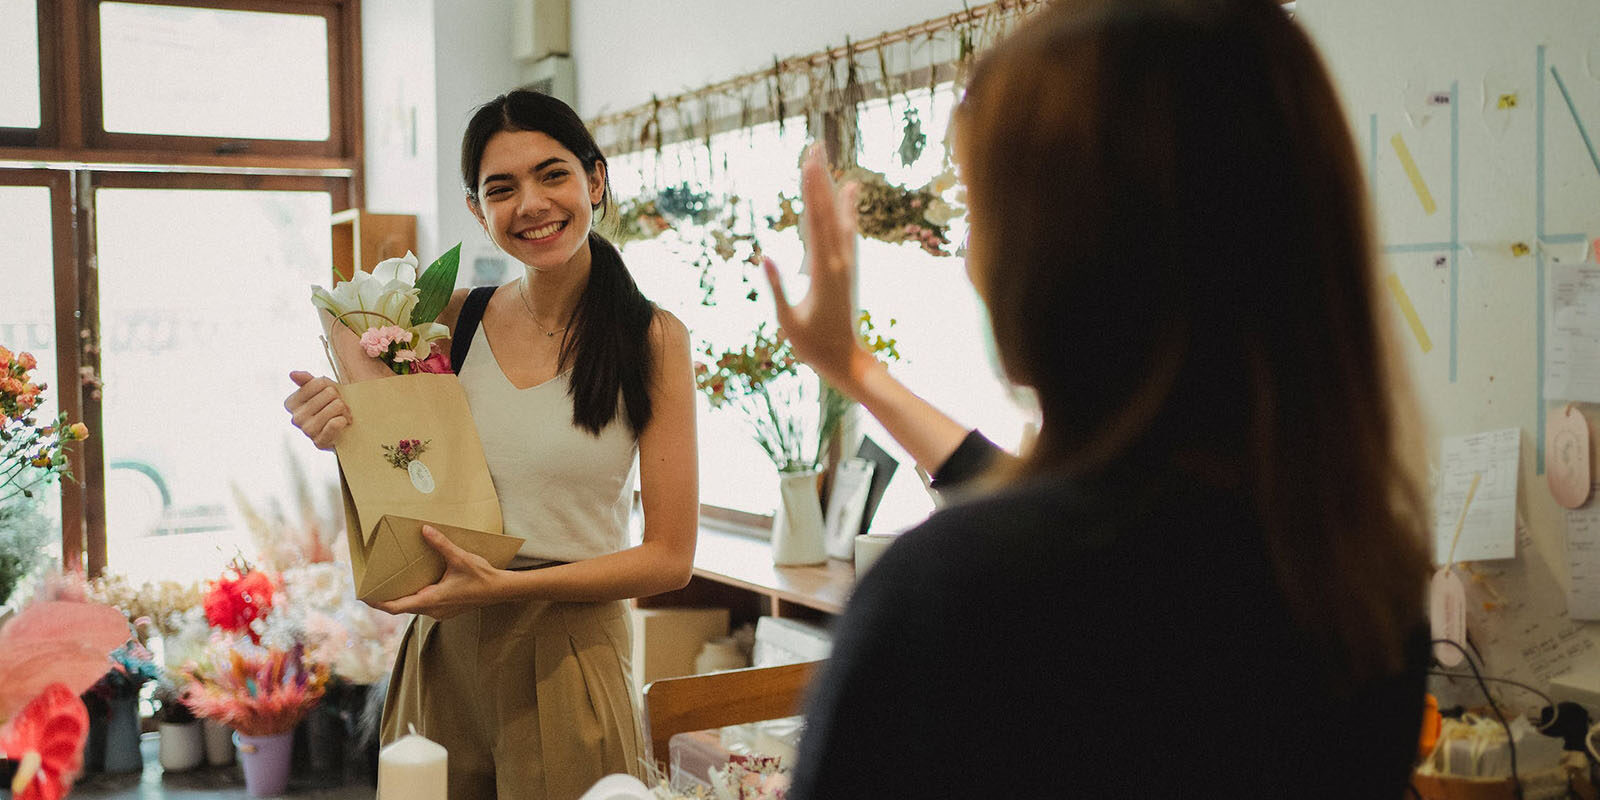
385 296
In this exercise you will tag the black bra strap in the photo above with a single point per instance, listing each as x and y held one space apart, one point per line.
467 325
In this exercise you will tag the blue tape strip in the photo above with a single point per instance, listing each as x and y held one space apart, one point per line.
1587 142
1372 155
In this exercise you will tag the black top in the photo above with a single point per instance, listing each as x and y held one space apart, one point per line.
1065 639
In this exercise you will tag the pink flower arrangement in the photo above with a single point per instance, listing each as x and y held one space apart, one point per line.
386 340
259 692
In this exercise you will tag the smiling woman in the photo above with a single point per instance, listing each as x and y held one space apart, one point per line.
573 375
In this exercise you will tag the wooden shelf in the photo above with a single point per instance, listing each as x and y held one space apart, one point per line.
361 239
734 570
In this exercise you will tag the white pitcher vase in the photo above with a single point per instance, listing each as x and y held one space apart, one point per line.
797 525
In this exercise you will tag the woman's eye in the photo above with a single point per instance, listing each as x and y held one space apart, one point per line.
496 191
555 175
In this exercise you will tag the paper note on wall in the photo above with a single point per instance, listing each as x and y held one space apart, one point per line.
1517 619
1489 530
1583 562
1572 357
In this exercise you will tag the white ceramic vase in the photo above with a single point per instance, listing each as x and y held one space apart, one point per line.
183 746
798 532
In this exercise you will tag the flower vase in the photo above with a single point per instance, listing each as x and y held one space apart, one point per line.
219 743
266 762
318 754
797 525
183 746
122 735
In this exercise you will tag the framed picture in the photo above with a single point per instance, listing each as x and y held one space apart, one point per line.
847 501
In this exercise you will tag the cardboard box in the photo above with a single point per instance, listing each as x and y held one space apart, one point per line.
666 640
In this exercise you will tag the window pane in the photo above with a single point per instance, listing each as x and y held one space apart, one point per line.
27 318
204 72
205 307
939 320
19 64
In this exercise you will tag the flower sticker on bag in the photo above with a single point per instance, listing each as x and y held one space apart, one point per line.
404 456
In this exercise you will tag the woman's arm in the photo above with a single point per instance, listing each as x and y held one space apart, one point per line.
669 484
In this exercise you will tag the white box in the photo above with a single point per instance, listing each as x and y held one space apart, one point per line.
780 640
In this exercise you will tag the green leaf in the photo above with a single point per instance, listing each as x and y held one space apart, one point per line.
434 286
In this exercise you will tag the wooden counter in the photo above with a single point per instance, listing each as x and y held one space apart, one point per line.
735 571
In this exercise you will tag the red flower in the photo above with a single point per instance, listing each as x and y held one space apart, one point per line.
232 604
46 743
438 362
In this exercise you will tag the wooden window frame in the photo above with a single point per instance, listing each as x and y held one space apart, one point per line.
342 21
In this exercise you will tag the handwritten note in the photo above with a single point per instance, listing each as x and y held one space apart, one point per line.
1489 528
1572 357
1517 618
1583 562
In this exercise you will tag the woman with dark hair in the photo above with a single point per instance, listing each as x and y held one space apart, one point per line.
1206 576
522 673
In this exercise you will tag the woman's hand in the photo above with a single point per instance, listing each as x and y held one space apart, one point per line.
317 410
822 326
469 582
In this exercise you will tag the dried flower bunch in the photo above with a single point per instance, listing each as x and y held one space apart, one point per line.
637 219
256 691
234 604
890 212
405 451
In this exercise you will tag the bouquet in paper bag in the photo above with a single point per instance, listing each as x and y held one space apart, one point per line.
412 453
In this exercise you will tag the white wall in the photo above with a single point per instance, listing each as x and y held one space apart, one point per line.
1480 304
624 50
426 65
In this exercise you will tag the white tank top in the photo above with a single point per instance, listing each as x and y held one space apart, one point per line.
564 491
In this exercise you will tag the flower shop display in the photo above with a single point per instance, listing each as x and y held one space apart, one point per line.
113 704
392 486
33 454
890 212
54 649
235 604
262 693
792 417
637 219
182 744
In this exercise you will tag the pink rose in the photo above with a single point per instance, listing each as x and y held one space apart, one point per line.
437 363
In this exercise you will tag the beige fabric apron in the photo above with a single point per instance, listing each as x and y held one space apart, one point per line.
531 699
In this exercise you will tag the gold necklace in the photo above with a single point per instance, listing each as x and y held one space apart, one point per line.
522 291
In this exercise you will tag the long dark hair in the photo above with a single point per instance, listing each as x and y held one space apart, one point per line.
607 343
1170 230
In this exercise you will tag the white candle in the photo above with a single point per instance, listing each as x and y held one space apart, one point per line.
412 768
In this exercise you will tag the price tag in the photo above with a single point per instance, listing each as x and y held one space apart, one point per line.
1447 611
1567 457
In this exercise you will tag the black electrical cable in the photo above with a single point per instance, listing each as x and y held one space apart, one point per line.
1542 696
1511 745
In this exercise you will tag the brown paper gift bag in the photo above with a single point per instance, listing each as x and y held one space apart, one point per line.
391 488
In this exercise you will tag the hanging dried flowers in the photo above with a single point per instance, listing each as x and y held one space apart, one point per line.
637 219
892 213
684 205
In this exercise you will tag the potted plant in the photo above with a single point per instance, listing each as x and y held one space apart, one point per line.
262 693
116 695
182 738
792 416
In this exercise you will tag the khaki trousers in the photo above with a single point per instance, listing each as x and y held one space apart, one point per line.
531 699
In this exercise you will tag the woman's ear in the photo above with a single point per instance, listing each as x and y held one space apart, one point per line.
597 183
472 205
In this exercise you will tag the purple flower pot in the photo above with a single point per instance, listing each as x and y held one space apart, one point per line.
266 762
